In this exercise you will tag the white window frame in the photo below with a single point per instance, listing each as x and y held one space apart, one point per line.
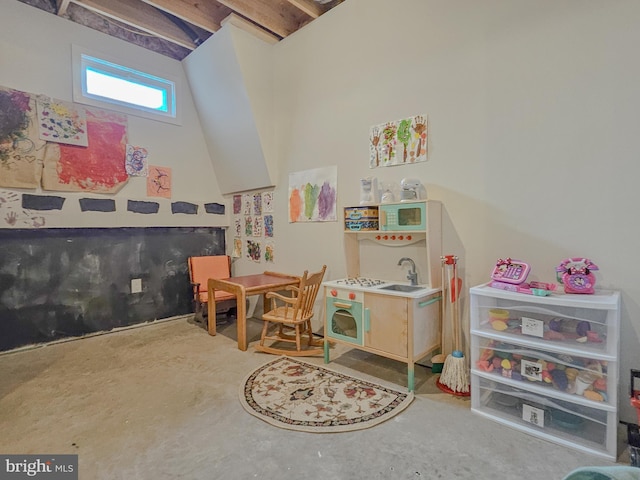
84 58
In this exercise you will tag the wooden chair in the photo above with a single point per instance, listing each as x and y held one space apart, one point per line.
201 269
293 313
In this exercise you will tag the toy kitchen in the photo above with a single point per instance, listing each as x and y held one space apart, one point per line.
389 304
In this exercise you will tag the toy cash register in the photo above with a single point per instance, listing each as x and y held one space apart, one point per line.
510 271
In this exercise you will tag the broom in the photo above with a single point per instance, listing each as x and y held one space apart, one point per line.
455 373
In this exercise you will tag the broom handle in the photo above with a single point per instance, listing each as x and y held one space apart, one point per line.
456 293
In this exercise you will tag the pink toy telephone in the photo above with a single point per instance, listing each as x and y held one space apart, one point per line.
575 274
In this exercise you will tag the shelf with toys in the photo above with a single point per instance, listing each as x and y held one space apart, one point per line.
546 362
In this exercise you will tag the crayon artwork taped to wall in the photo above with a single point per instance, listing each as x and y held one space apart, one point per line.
136 162
98 167
248 225
257 204
159 182
399 142
253 250
237 204
269 252
268 225
267 202
247 204
237 224
237 248
257 226
312 195
21 151
62 122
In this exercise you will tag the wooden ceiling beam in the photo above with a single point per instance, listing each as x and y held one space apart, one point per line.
61 7
206 14
270 14
311 8
140 16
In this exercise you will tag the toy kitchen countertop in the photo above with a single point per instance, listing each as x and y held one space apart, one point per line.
383 287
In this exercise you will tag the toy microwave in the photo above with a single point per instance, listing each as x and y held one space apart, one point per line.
403 216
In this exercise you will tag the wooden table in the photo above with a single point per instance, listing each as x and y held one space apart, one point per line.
244 286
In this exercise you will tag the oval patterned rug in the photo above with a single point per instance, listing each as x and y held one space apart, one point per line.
296 395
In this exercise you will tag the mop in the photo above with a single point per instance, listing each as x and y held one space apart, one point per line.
455 373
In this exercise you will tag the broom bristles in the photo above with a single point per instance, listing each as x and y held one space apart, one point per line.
455 374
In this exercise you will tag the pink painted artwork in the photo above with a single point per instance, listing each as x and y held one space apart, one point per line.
99 167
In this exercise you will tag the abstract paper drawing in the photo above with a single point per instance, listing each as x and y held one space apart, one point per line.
237 248
268 225
257 226
312 195
99 167
257 204
398 142
159 182
237 204
248 225
269 252
21 151
136 163
253 250
237 231
267 202
62 122
247 204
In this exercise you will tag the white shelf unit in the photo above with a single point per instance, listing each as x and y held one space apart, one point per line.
548 366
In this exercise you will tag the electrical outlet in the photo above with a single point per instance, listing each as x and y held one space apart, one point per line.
136 285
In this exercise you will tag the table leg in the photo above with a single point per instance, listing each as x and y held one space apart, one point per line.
211 309
241 299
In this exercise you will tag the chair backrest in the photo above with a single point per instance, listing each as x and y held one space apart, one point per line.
201 269
309 287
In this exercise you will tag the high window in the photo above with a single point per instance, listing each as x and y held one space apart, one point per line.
104 83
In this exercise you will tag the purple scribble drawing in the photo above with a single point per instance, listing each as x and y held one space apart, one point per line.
326 201
237 204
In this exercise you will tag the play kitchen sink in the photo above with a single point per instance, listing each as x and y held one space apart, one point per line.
401 288
391 319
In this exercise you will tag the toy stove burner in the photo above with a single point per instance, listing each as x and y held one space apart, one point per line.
361 282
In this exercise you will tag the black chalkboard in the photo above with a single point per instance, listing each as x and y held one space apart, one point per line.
57 283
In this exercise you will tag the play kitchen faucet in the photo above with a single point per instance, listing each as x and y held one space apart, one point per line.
412 275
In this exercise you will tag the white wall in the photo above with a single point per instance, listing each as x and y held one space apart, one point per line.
533 111
35 57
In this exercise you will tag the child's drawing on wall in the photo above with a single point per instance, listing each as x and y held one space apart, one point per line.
269 253
257 226
267 202
247 204
398 142
159 182
253 250
248 225
237 226
62 122
237 204
237 248
257 204
312 195
136 162
268 225
13 215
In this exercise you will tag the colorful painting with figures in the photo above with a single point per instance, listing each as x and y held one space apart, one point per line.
312 195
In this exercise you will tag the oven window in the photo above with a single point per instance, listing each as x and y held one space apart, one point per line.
344 324
409 216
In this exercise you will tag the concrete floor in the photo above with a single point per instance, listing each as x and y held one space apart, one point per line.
161 402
